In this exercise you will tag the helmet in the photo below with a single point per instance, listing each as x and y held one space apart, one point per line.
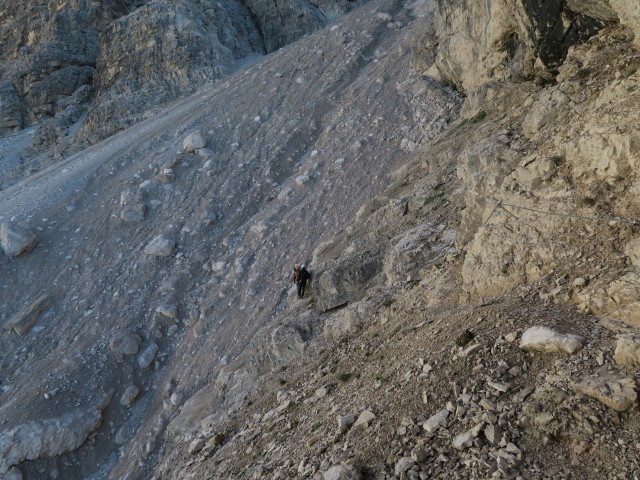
303 266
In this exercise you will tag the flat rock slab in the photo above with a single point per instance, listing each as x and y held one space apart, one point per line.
434 422
161 246
628 350
617 393
544 339
16 240
465 439
25 320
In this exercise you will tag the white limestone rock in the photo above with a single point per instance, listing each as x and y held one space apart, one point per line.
49 437
543 339
435 421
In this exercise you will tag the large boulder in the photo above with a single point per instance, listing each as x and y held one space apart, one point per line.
346 281
49 437
543 339
16 240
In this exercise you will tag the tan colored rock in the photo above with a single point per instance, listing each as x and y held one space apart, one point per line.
543 339
364 420
16 240
617 393
25 320
628 350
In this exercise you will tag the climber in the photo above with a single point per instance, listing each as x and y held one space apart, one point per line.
303 277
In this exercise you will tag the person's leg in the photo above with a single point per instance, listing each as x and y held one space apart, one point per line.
299 289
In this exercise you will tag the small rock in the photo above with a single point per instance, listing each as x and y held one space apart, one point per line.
465 439
24 321
16 240
341 472
176 398
434 422
501 387
302 179
133 213
543 339
419 456
205 153
167 175
628 350
511 337
148 355
579 282
470 350
493 434
282 395
345 421
129 396
127 344
170 311
617 393
364 420
196 446
160 246
404 464
193 142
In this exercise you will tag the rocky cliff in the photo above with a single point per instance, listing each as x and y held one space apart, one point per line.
473 309
82 71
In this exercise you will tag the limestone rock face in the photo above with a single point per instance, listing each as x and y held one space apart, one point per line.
477 42
16 240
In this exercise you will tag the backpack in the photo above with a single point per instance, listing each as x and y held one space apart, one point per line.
304 275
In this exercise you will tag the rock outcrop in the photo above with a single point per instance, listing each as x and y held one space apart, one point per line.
474 42
44 438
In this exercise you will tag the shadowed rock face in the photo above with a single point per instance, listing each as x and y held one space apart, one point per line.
135 55
555 28
476 42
